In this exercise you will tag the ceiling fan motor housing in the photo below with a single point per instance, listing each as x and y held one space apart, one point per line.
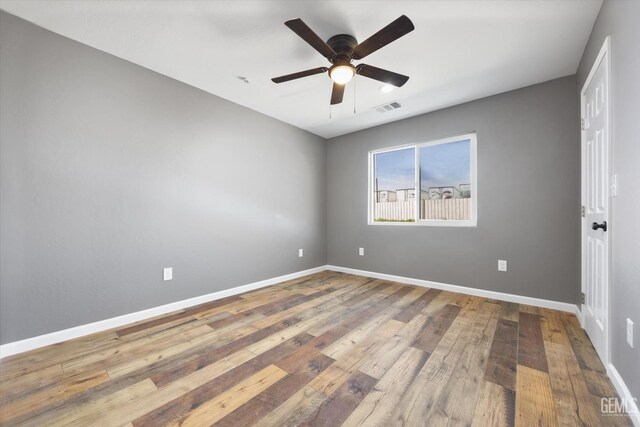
342 45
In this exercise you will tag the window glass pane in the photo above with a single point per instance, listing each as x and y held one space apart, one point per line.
394 189
445 181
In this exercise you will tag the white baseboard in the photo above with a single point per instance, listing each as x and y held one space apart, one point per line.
580 315
91 328
562 306
623 391
114 322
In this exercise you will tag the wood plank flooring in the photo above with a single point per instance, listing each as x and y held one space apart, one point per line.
327 349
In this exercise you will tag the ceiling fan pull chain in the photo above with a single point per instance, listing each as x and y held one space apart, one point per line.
354 96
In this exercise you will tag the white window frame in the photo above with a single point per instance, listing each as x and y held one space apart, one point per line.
473 222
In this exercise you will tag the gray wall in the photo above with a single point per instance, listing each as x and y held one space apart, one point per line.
110 172
619 19
528 197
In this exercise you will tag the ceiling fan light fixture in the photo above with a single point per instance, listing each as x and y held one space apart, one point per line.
341 74
341 49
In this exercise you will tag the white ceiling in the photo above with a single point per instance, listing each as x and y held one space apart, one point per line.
459 51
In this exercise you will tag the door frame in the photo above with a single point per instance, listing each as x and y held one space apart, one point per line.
603 55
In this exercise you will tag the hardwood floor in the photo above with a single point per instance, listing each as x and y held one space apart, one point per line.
327 349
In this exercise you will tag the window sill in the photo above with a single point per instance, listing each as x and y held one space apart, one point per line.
424 223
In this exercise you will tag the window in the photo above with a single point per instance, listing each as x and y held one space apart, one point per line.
434 182
394 175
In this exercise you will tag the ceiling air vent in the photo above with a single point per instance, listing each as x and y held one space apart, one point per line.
387 107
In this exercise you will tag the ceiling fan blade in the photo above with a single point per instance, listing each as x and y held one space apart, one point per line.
379 74
337 93
299 75
391 32
301 29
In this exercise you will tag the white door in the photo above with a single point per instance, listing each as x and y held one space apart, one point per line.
595 199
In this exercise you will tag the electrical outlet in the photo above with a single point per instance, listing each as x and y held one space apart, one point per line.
300 253
361 251
502 265
630 332
167 274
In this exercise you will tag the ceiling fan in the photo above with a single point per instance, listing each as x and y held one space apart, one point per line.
342 49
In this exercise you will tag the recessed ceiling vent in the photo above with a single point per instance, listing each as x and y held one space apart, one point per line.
388 107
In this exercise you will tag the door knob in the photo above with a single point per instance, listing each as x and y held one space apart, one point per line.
595 226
